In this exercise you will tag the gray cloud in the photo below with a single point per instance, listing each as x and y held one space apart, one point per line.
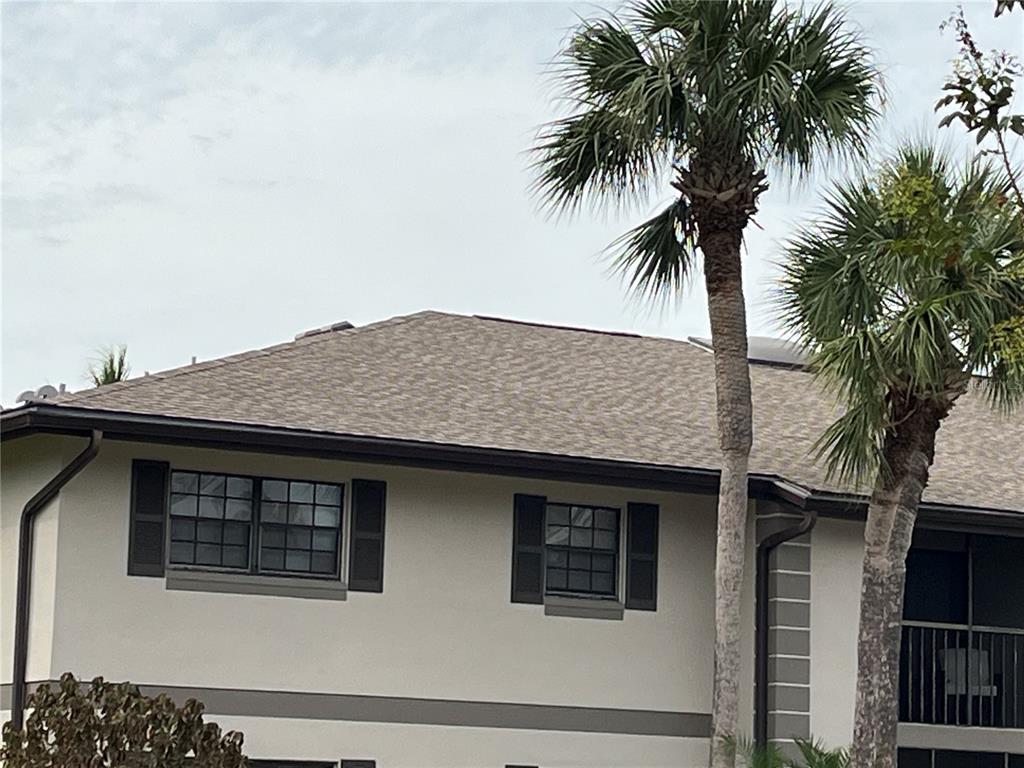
239 172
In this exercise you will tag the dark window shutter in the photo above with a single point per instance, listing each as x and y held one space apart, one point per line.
528 549
148 518
366 551
358 764
642 556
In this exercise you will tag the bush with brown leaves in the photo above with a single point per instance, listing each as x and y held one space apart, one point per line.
112 725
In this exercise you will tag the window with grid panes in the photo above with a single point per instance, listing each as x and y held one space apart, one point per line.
211 519
299 527
581 549
215 518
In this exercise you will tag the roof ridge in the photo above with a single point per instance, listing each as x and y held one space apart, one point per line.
554 326
301 341
239 357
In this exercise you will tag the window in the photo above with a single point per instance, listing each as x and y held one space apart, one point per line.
215 519
582 545
958 578
211 518
299 527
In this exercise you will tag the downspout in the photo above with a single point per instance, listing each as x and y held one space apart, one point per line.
26 534
764 551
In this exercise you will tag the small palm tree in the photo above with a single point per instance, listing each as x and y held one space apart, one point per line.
813 754
705 98
909 286
110 366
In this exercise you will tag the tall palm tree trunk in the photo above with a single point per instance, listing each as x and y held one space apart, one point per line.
909 450
727 312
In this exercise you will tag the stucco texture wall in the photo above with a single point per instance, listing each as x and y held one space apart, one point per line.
837 549
444 626
24 469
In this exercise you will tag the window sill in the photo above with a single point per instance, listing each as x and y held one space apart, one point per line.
250 584
583 607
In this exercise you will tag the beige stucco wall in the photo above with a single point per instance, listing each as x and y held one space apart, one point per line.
462 747
25 466
837 548
444 628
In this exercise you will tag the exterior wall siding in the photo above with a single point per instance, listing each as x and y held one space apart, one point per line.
430 747
836 554
789 635
444 628
22 473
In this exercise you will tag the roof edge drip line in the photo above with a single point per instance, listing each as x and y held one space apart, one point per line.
118 425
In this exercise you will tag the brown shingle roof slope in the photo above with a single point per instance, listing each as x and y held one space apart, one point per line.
483 382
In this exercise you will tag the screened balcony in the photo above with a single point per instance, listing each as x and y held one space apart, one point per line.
962 658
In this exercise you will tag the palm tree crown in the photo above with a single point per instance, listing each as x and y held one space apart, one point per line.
111 366
910 284
712 93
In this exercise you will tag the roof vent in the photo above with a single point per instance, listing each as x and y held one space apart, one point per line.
344 325
766 349
45 392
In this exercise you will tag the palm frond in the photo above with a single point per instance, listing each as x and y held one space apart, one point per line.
600 153
602 59
813 754
825 101
816 755
746 84
910 281
110 366
657 256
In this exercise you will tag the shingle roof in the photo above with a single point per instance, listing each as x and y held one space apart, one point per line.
500 384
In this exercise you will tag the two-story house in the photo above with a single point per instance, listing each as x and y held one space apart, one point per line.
455 541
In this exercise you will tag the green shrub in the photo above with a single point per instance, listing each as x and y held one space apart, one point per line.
813 754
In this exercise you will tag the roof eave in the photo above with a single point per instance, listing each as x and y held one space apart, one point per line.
119 425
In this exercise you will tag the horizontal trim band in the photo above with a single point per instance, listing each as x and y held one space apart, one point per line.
960 737
448 712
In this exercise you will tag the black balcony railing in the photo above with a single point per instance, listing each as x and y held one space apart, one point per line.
953 674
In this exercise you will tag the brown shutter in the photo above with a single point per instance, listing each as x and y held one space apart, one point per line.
528 549
642 556
148 518
366 552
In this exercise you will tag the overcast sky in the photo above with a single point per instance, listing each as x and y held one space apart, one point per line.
201 179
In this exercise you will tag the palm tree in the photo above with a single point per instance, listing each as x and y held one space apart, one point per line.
813 754
705 97
909 290
111 366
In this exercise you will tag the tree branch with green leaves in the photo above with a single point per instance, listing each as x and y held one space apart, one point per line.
980 92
